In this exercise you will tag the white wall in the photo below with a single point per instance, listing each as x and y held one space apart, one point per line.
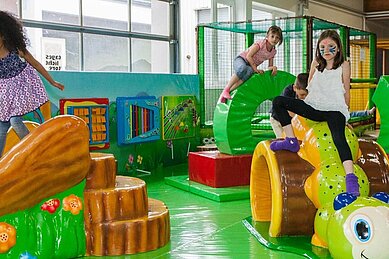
348 13
356 5
290 5
188 23
345 12
243 11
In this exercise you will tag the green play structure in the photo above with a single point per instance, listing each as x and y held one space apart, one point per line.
219 43
234 133
379 98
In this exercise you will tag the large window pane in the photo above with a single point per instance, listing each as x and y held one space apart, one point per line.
10 6
105 53
150 16
263 11
261 15
223 13
150 56
56 50
111 14
58 11
62 47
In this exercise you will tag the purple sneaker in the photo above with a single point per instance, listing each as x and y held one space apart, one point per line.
352 185
291 144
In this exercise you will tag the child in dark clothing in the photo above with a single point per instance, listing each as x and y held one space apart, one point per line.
297 90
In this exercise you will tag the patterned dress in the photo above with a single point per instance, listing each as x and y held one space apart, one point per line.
21 89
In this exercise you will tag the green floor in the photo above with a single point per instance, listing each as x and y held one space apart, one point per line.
203 228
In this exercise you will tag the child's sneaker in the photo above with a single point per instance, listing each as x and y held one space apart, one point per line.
371 111
352 185
290 144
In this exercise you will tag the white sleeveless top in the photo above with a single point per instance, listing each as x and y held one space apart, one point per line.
326 92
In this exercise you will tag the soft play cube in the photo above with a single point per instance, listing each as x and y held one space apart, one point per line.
215 169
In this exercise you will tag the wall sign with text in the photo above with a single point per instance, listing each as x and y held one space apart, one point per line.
53 54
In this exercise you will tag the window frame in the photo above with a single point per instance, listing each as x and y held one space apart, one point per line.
81 29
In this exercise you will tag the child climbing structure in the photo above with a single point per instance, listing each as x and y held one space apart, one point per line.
232 121
230 165
119 217
218 42
304 194
61 201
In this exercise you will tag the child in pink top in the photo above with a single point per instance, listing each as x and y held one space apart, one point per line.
247 62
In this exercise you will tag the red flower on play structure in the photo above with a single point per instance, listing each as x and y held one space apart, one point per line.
50 205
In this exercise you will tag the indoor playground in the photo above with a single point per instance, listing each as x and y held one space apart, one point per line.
150 165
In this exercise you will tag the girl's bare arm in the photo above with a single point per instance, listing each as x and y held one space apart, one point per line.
312 70
272 67
252 50
38 66
346 81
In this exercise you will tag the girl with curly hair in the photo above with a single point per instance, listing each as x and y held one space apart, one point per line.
21 89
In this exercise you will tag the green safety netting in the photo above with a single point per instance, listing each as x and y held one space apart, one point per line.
293 24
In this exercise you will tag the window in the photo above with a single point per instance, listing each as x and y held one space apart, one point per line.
99 35
261 15
101 53
150 16
149 56
10 6
262 12
64 12
69 40
95 14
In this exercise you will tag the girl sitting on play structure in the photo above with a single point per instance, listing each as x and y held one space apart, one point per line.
328 100
21 89
247 62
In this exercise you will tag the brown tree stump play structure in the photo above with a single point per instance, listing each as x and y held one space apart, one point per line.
119 217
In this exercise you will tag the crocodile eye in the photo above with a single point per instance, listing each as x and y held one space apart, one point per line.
362 230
